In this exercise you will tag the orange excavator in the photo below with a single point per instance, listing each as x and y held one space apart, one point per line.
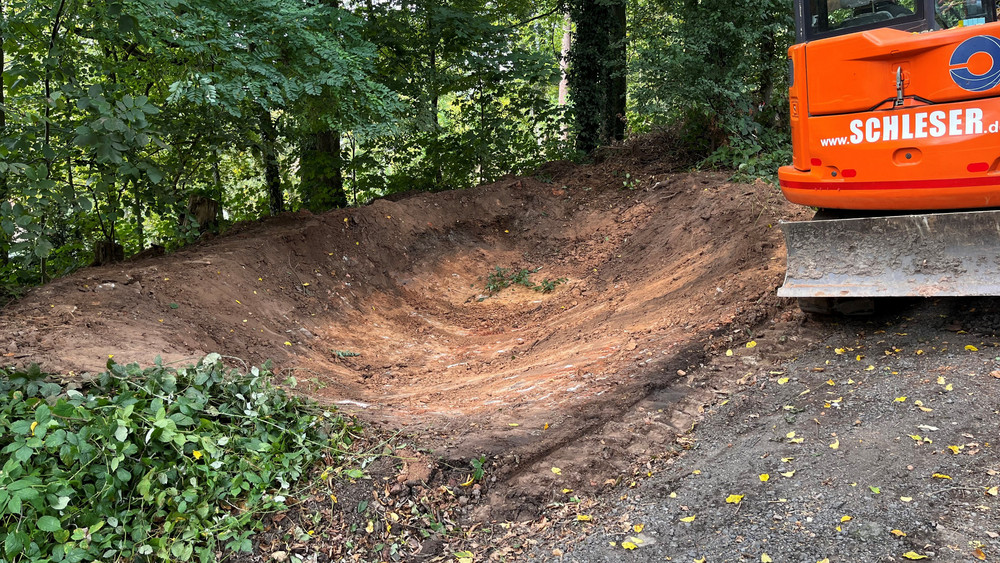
895 120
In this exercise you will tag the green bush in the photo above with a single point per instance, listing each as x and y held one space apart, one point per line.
161 463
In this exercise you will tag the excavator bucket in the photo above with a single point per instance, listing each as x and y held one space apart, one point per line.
936 254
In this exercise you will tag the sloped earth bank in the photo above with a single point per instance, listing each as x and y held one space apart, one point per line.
383 311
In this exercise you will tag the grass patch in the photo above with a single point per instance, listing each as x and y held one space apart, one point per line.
502 278
157 463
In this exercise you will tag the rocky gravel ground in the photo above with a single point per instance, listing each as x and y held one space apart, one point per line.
875 442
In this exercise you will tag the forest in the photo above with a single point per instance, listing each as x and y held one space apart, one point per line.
132 126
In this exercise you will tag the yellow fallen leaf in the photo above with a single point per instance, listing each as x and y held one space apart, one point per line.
955 449
940 380
870 368
468 481
567 491
899 400
978 554
835 445
764 477
557 471
583 518
788 474
790 434
638 528
992 491
940 476
702 560
787 459
914 555
824 560
629 545
971 348
859 357
830 382
845 518
672 495
796 440
370 527
734 499
765 558
838 351
906 499
729 352
920 352
949 387
782 381
916 437
752 344
925 409
688 518
898 533
696 472
514 424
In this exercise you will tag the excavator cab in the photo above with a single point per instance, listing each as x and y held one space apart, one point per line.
895 121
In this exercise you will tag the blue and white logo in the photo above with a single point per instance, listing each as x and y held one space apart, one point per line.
965 78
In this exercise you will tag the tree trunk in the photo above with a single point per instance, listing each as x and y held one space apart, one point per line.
567 40
597 76
269 154
614 111
564 59
585 77
321 172
435 152
219 192
140 233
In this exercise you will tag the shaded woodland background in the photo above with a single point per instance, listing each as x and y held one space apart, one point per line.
131 126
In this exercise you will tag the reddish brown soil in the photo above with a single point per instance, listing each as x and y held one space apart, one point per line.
659 267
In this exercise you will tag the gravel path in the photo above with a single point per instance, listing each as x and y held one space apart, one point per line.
876 443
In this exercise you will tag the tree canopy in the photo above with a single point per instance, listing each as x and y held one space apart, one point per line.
132 124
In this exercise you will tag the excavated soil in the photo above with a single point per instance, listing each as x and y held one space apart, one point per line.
659 268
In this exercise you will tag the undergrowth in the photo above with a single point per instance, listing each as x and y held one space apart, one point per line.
502 278
161 463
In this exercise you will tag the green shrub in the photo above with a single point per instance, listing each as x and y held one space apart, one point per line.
161 463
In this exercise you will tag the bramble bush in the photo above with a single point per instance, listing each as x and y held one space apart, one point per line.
156 463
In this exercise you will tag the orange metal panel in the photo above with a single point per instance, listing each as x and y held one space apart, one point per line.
939 150
857 72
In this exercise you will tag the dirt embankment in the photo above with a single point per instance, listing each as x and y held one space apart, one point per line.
384 311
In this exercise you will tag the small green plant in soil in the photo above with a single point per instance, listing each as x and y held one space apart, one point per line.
502 278
157 463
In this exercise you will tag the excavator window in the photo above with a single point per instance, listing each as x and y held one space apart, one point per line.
837 17
959 13
816 19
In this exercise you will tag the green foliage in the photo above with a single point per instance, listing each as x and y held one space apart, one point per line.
716 72
478 469
502 278
161 463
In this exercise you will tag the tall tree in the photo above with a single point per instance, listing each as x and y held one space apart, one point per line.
597 77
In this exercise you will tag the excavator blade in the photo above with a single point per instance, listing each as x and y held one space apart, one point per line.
935 254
